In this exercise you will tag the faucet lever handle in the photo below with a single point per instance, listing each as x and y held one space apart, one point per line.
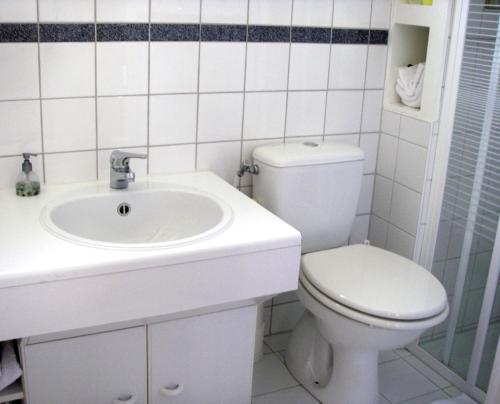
119 157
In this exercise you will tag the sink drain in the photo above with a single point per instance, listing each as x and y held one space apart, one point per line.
123 209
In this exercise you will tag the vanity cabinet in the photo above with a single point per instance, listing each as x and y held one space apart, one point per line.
107 368
204 359
199 359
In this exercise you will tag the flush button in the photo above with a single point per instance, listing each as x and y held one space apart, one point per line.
311 144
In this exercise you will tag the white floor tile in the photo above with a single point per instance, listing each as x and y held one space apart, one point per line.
295 395
386 356
271 375
427 398
382 400
452 391
278 342
399 381
434 377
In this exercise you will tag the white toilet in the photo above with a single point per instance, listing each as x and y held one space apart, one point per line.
360 299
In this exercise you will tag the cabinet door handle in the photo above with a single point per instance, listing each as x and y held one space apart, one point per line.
172 391
131 400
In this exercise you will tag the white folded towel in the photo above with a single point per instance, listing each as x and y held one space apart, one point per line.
9 368
410 83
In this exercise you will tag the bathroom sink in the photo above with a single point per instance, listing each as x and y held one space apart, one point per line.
137 219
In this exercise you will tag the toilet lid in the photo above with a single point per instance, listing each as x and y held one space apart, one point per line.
376 282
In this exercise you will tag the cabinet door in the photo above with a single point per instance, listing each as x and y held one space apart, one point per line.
92 369
204 359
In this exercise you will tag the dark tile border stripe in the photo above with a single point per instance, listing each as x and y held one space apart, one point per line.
379 37
224 33
350 36
122 32
311 35
175 32
67 33
188 32
258 33
18 33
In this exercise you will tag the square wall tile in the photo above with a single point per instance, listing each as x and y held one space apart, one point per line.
66 11
264 115
316 13
405 209
174 67
391 123
69 124
172 119
381 14
172 159
224 11
351 14
348 66
220 117
309 66
67 69
359 232
139 166
382 196
122 121
415 131
366 195
18 71
10 167
222 66
20 127
306 112
369 144
343 113
70 167
387 151
372 110
267 66
222 158
176 11
122 68
410 166
265 12
18 11
378 231
352 139
122 10
375 69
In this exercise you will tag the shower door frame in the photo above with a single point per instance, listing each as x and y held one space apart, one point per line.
424 253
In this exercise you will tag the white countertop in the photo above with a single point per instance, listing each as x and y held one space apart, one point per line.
30 255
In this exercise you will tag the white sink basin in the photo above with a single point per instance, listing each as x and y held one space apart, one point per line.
137 219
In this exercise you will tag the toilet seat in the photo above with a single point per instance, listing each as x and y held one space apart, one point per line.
375 287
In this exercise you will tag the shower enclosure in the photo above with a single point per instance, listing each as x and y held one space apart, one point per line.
462 240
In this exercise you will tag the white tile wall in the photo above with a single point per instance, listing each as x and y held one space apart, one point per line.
189 106
18 10
66 11
175 11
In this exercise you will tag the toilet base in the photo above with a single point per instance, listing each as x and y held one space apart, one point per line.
348 376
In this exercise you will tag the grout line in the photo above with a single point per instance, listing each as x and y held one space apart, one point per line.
330 50
287 96
42 142
148 107
198 89
96 110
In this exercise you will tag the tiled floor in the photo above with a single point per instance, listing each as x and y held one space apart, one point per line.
403 379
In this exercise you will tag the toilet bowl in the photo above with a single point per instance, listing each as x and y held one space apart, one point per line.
360 300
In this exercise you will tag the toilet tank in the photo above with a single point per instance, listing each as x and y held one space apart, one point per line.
312 186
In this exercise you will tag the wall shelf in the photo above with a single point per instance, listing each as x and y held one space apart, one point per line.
11 393
419 33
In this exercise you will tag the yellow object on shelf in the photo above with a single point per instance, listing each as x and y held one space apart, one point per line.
427 2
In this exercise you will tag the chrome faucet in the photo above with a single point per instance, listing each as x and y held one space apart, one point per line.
120 172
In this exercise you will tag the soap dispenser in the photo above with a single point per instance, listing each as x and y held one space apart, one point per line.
27 183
